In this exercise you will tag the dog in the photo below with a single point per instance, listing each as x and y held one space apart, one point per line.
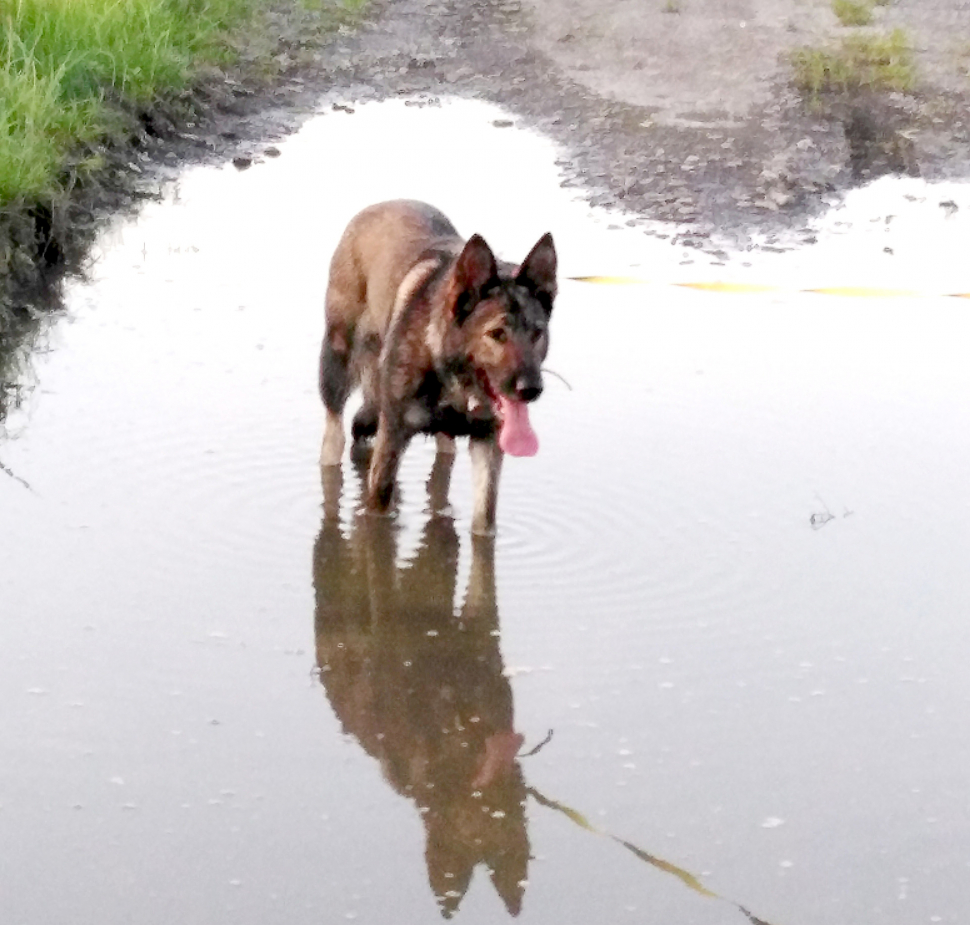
442 338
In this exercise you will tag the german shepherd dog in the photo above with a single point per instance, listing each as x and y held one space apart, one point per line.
442 338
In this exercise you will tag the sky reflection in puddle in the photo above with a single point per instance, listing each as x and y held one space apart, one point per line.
764 704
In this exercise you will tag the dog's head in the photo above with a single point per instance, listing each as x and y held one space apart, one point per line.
500 330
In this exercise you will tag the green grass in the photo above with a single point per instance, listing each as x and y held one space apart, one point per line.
71 69
856 12
859 62
853 12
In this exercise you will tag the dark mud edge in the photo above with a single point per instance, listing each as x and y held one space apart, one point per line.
725 188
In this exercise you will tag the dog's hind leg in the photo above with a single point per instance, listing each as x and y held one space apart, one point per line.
366 366
336 382
364 424
346 303
486 468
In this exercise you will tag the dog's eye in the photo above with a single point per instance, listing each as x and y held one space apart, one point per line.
536 335
498 334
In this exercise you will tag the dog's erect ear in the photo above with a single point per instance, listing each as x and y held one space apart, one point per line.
474 270
538 271
476 265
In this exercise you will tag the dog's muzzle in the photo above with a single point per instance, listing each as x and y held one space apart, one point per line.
527 386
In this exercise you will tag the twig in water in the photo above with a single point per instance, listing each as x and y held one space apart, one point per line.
562 379
820 518
539 747
8 471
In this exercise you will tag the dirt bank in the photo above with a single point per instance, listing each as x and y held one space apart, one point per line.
714 80
684 110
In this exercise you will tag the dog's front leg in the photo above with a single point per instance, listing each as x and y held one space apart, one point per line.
389 445
439 482
486 468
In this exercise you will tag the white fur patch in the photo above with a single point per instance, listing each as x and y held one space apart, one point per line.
486 468
332 449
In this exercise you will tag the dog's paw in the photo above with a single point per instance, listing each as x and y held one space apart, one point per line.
482 528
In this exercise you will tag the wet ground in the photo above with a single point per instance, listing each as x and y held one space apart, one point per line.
682 111
731 584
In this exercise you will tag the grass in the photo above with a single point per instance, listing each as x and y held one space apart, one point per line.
72 72
859 62
856 12
853 12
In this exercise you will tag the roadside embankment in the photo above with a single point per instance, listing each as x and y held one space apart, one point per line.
89 86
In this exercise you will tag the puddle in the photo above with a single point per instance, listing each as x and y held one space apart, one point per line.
731 583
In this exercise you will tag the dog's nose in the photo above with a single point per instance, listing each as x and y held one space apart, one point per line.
528 388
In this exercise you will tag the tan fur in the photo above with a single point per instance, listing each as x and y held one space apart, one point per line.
379 248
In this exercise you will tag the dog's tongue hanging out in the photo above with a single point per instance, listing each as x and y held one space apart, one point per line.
517 438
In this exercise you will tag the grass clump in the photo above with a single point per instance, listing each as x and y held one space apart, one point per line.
853 12
61 61
38 127
73 72
860 62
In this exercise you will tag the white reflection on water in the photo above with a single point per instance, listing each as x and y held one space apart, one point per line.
657 555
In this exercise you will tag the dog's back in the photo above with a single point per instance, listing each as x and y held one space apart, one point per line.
380 246
378 249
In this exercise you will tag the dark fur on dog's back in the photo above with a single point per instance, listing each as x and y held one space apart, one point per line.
439 335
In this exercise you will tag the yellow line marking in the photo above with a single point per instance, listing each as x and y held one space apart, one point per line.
728 287
851 292
611 280
863 292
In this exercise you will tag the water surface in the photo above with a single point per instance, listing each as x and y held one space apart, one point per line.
732 583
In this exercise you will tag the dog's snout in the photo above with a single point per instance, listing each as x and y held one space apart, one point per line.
528 387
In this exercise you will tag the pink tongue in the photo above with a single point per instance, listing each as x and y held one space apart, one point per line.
517 438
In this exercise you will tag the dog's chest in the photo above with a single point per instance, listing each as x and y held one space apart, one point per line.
449 405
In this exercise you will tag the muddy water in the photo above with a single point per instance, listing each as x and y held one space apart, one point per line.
732 583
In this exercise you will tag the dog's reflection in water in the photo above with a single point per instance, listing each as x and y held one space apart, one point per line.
420 684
